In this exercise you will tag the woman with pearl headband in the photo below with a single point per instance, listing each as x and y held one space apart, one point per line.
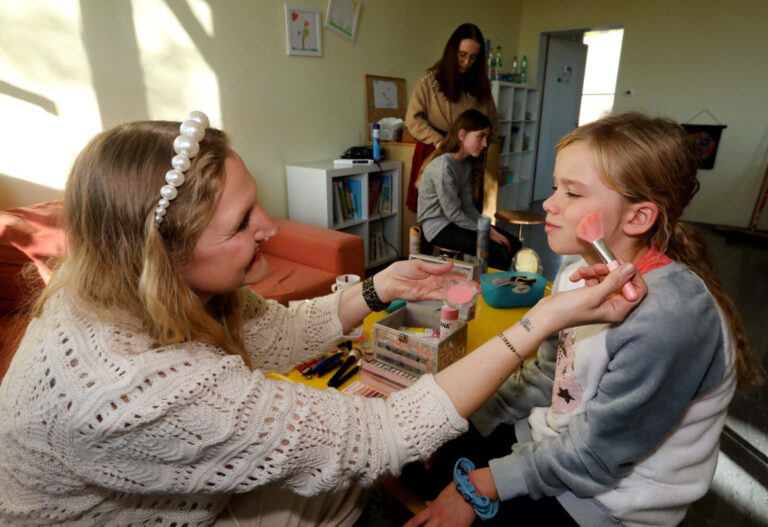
137 394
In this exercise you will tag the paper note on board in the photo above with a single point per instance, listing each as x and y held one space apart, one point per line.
384 94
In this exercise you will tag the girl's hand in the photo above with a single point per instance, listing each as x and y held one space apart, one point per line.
449 509
500 238
415 280
599 301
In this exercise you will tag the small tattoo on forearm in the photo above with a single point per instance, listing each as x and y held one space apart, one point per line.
526 324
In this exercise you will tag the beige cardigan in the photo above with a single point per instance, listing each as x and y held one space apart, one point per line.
430 113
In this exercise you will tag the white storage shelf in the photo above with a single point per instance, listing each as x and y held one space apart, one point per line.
518 106
363 200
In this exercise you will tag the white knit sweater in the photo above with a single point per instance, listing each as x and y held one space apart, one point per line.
100 426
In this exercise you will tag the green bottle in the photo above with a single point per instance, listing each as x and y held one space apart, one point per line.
523 70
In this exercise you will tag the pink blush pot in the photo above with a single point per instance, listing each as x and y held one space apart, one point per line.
459 294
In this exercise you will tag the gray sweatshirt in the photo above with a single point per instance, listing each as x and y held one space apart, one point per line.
622 423
445 196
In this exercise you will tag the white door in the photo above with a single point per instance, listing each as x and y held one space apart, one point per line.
561 100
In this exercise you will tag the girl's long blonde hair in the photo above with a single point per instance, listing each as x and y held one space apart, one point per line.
651 159
119 261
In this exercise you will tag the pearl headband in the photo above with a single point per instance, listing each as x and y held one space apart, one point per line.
186 146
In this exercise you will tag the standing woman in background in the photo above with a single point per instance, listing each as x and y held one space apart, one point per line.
457 82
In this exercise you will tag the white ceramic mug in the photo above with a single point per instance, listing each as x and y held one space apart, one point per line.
344 280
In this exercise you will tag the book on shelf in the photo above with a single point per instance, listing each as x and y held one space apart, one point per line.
341 198
374 194
338 213
386 191
376 246
347 197
354 187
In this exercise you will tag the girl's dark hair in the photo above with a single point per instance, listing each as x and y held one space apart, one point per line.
469 120
475 80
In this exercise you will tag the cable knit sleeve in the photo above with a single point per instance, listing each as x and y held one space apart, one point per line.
198 421
277 338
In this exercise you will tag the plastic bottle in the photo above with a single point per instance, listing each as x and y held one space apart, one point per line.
449 320
515 70
497 60
376 144
524 70
414 240
483 242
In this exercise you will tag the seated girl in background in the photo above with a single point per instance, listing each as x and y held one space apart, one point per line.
447 216
617 425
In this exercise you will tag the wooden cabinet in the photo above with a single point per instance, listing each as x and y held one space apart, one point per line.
363 200
518 107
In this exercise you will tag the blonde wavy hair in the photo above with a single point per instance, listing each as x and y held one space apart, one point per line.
119 261
651 159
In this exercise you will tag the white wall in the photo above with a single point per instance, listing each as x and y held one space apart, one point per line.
679 58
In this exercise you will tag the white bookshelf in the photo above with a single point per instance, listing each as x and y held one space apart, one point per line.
518 125
313 198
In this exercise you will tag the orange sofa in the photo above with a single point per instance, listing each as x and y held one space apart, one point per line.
304 261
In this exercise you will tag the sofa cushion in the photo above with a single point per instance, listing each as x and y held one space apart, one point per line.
289 280
11 330
27 234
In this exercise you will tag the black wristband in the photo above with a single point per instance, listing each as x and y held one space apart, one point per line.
371 298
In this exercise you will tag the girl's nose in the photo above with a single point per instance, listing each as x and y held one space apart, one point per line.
265 226
549 205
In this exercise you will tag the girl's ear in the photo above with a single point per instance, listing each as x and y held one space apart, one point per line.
640 217
462 134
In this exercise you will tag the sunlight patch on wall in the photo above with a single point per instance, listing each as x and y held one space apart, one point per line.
203 14
47 102
600 73
177 77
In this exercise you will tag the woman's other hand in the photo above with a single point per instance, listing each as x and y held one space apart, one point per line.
415 280
497 237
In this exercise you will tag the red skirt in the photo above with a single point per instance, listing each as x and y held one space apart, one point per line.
420 152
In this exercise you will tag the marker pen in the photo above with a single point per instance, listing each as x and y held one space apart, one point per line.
324 366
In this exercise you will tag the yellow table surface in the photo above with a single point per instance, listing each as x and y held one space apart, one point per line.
488 320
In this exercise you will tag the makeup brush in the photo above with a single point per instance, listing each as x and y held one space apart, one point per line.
590 229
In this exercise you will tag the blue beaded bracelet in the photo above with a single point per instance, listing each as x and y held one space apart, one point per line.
485 508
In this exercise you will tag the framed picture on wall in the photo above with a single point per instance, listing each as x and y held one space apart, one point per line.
303 31
342 17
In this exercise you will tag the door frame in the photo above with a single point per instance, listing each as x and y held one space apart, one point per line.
543 58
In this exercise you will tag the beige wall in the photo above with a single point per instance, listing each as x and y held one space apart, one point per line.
69 69
66 73
679 58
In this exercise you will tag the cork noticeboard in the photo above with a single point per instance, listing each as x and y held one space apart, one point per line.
384 97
